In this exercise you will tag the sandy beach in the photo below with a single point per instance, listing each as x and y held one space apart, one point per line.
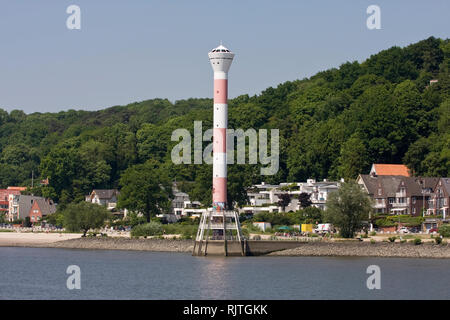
30 239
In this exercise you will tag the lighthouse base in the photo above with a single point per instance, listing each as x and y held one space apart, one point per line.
219 233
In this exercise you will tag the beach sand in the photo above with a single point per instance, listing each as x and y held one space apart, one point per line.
30 239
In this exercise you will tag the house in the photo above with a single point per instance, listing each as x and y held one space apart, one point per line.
441 198
264 197
379 169
178 202
40 208
193 209
182 206
5 199
398 194
4 202
105 197
23 206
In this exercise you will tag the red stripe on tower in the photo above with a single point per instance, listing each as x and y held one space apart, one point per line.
220 91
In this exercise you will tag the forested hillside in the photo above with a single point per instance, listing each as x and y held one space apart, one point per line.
332 125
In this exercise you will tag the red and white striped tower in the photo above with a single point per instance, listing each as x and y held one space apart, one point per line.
221 59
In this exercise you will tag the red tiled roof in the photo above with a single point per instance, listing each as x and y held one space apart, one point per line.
17 188
391 170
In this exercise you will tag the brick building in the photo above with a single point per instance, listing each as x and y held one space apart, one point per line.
398 194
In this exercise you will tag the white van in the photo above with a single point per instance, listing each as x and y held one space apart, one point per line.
324 228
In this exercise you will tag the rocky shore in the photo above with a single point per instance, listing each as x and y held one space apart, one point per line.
157 245
317 248
367 249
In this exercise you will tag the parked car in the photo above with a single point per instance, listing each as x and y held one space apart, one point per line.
403 230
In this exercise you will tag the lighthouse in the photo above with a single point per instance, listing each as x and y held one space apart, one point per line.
220 59
219 231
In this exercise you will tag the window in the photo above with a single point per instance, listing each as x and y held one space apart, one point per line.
413 210
413 199
379 192
391 200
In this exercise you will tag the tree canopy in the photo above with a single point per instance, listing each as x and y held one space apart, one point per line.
347 208
332 125
84 216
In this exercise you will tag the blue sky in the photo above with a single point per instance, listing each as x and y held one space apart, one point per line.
129 51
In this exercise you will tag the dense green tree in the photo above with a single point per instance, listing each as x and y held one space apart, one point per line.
145 188
353 158
84 216
332 125
347 208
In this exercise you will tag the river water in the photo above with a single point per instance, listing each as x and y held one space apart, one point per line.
40 273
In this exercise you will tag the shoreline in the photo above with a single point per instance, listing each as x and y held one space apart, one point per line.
367 249
305 249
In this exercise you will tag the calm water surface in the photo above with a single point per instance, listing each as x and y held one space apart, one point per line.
40 273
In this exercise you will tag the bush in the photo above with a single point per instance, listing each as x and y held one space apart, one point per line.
417 241
84 216
444 230
187 231
17 221
152 228
392 239
438 240
403 241
373 233
372 241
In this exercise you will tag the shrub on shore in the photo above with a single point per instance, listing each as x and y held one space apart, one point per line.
417 241
392 239
155 228
444 230
187 231
152 228
438 240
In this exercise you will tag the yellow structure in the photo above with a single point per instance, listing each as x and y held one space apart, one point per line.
307 227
